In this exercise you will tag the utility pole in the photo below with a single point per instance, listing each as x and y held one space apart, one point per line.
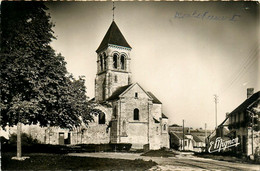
183 134
206 135
205 130
216 111
252 133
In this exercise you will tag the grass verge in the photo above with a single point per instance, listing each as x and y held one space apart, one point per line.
44 161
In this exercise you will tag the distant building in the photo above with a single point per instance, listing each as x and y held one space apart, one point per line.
194 139
221 131
198 143
176 141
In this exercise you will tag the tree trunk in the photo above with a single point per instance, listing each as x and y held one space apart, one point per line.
19 143
81 137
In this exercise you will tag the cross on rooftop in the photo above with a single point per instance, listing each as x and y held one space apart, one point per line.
113 11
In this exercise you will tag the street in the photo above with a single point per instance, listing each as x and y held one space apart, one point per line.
179 162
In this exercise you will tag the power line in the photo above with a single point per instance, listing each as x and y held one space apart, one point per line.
243 68
238 74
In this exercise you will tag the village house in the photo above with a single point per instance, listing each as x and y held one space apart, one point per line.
221 131
198 143
194 139
244 124
177 143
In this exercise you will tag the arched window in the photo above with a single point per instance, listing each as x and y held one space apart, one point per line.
115 112
101 118
124 127
104 89
136 114
164 127
105 61
129 80
101 62
115 61
115 79
122 62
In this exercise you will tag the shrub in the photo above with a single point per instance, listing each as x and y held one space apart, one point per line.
175 146
3 140
25 138
120 146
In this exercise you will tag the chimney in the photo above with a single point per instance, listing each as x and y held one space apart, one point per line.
227 114
250 92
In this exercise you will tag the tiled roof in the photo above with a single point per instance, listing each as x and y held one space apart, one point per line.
113 36
195 138
200 132
246 103
225 120
179 135
155 100
119 91
178 129
163 116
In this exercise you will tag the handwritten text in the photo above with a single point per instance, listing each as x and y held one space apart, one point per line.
206 16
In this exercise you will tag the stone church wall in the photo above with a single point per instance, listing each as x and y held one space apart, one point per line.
165 141
136 130
99 83
96 133
157 111
138 134
117 79
155 136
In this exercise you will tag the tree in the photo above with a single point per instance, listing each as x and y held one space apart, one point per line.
35 84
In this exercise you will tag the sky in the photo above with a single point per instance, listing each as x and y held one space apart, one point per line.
183 52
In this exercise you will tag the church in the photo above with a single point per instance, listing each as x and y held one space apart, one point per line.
130 114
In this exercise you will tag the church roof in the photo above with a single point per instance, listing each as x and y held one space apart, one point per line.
155 120
119 91
123 89
164 116
155 100
113 36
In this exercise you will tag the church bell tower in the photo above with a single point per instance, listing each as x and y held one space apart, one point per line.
113 64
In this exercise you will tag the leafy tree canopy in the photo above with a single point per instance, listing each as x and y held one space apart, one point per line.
35 84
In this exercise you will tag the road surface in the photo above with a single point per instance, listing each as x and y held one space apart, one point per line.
179 162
